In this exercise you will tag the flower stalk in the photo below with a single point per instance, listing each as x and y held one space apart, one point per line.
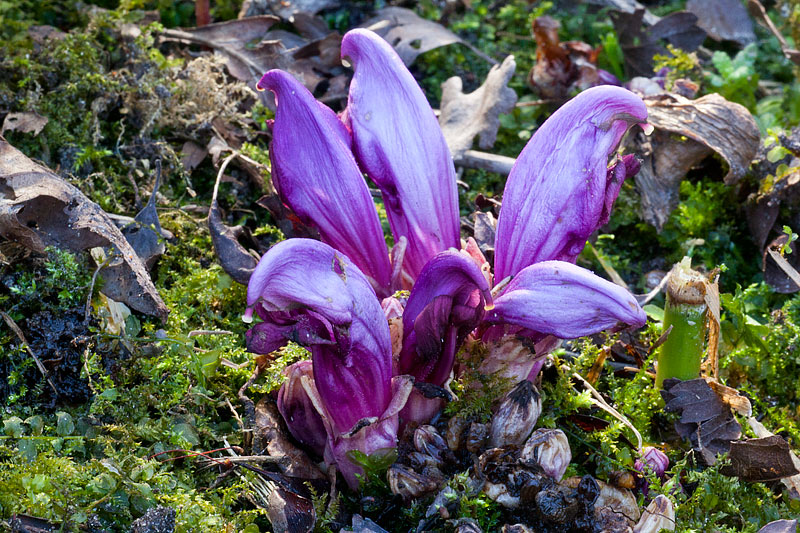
685 316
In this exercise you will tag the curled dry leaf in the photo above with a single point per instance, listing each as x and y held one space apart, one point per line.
777 167
252 47
234 258
27 122
723 20
145 234
562 69
710 124
762 459
705 420
39 209
639 45
465 116
270 437
409 34
284 9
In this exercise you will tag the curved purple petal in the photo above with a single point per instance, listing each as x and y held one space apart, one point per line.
560 189
316 175
561 299
398 142
446 303
304 422
325 303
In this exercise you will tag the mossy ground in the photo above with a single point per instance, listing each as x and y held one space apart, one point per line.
154 387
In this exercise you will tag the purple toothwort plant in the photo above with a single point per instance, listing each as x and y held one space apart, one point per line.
326 295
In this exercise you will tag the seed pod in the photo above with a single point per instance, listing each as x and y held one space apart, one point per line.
476 436
653 459
516 528
408 484
428 441
455 432
516 416
658 516
549 448
467 525
419 460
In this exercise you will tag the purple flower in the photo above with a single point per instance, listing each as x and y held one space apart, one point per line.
399 144
559 192
307 292
316 175
447 302
561 188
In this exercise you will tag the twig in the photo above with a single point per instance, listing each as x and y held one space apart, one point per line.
600 402
785 266
499 164
21 336
198 332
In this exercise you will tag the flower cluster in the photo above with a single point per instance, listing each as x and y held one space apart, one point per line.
327 295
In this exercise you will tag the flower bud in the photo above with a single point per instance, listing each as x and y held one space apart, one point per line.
549 449
652 459
407 484
659 516
428 441
456 427
516 416
476 436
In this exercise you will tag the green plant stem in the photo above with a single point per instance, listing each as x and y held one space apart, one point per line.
682 353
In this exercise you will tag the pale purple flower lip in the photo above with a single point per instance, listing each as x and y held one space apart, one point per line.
316 175
400 146
561 299
560 189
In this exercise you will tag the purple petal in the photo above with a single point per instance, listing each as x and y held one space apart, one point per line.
316 175
309 286
561 299
304 422
446 303
371 435
398 142
559 191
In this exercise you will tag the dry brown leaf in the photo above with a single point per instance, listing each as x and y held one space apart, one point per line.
271 438
409 34
710 123
40 209
723 20
762 459
192 155
234 258
465 116
252 47
27 122
283 8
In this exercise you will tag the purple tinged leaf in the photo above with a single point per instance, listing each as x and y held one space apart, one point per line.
315 174
560 189
446 303
323 301
561 299
304 422
398 142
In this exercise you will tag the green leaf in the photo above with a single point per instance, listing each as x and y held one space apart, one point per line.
64 424
13 427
